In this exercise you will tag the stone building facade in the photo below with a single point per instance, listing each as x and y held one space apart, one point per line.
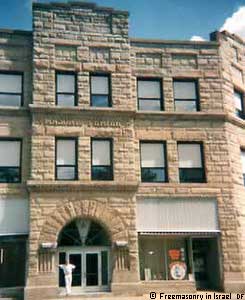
129 153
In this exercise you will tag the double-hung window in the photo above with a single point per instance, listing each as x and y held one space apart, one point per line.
102 165
185 95
153 162
66 159
238 101
10 161
100 94
11 89
150 94
191 162
66 89
243 164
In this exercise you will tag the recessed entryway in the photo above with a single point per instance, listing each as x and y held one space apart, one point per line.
86 245
206 263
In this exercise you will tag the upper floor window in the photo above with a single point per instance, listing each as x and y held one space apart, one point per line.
102 166
11 89
236 54
66 159
149 94
238 101
100 90
10 161
186 95
243 164
66 89
153 162
191 162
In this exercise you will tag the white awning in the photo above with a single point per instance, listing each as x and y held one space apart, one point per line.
177 215
14 216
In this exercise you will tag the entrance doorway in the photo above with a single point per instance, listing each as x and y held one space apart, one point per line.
92 268
86 245
206 263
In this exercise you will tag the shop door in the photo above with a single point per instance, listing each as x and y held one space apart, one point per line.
206 263
12 264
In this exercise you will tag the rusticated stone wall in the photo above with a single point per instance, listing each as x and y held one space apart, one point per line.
91 39
168 62
85 38
16 55
232 57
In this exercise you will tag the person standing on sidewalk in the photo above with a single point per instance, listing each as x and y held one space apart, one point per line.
67 269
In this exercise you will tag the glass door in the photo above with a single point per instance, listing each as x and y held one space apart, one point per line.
92 269
76 259
97 270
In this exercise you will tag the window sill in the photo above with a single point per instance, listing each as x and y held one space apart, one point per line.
171 184
195 115
60 186
77 109
14 110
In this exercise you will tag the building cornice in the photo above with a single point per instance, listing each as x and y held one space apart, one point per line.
216 36
44 186
76 4
158 43
15 32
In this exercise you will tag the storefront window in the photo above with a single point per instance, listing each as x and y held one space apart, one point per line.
163 258
177 259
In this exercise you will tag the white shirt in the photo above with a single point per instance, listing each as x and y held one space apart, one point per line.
67 269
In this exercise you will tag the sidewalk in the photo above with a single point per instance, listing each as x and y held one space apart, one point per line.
163 296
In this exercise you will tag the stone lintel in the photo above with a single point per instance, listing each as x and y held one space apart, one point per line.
187 74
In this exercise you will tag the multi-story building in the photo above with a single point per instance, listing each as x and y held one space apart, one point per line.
125 156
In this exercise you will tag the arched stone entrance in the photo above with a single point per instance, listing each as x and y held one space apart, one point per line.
86 244
101 216
95 210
